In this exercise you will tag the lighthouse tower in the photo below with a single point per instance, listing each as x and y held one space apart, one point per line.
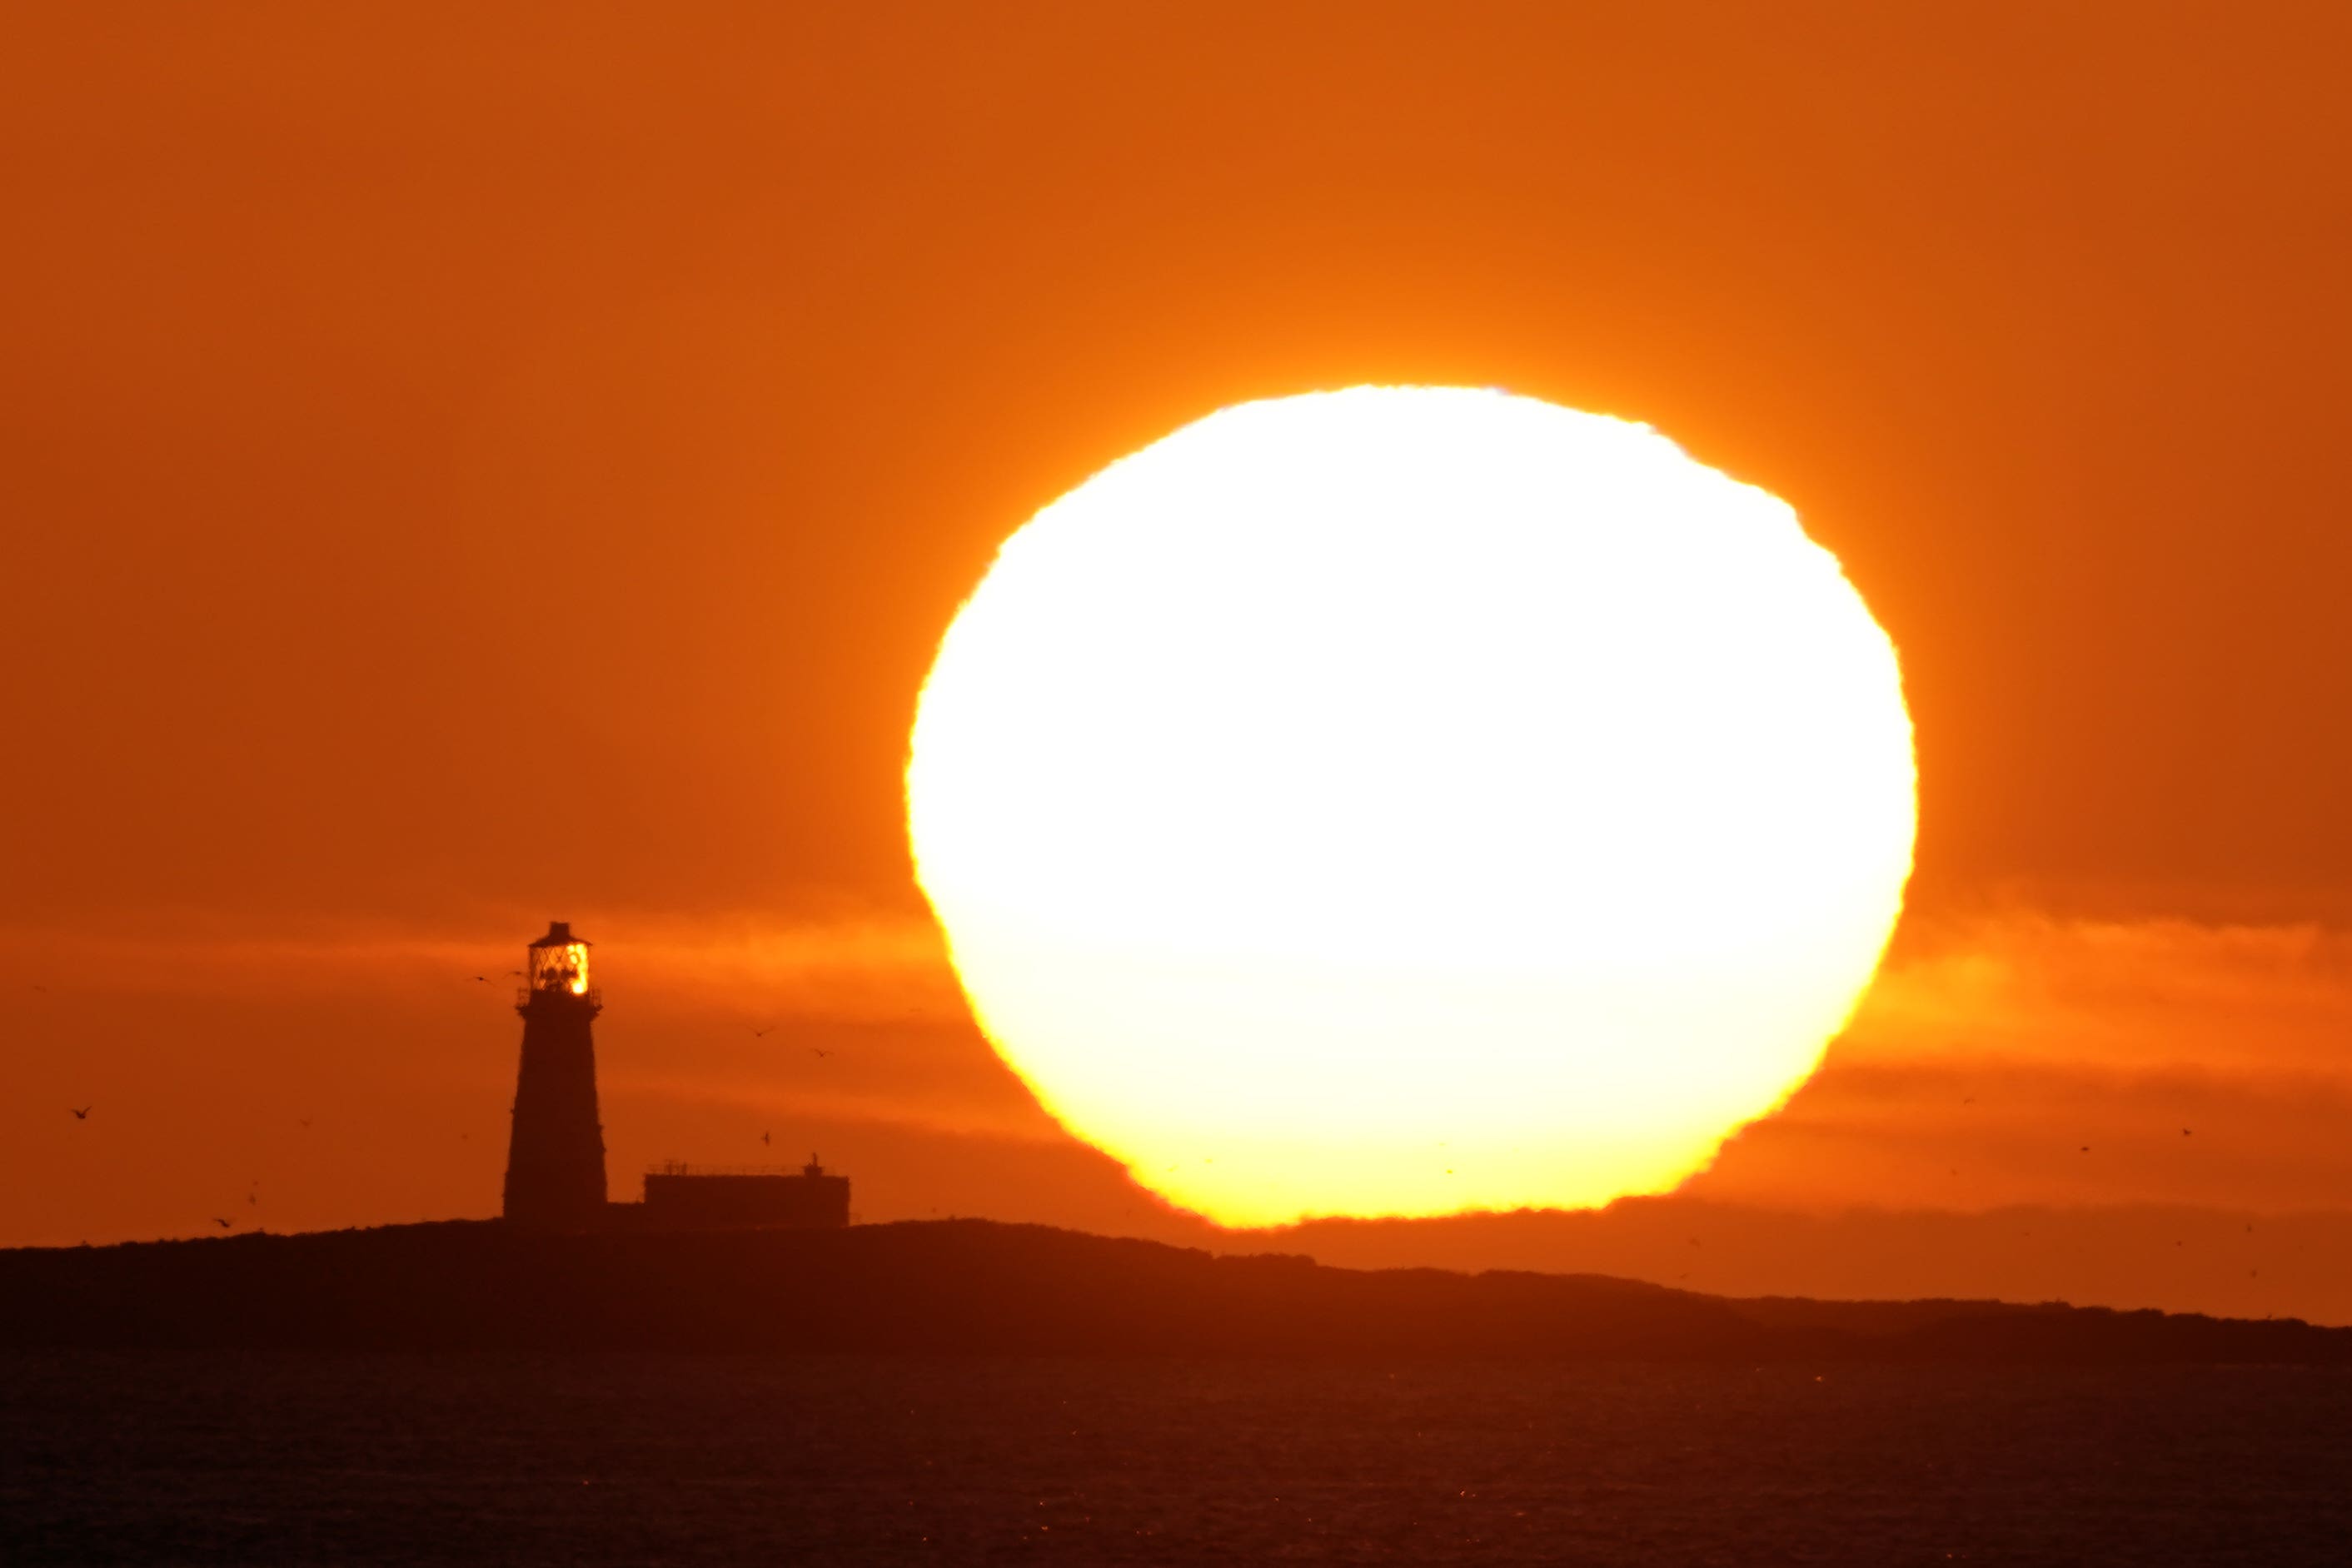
555 1157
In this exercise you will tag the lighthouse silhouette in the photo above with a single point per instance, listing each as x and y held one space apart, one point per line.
555 1155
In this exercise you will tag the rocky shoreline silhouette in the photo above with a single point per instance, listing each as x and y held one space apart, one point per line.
978 1287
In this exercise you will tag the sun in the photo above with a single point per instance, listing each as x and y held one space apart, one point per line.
1408 800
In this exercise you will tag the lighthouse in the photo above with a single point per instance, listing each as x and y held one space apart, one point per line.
555 1154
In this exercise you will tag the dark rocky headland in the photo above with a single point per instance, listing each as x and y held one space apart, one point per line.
973 1287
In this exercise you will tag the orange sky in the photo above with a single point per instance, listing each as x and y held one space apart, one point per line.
463 471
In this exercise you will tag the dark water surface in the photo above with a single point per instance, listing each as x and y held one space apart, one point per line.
303 1458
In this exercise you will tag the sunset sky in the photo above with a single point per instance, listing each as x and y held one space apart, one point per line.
467 470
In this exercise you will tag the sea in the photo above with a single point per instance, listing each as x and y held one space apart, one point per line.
289 1458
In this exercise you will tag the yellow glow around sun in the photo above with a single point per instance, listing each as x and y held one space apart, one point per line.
1402 800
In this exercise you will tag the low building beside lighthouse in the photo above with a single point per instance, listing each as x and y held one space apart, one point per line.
699 1197
555 1151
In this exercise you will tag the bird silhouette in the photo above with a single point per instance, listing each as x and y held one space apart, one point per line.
2184 1131
763 1033
306 1121
224 1224
821 1052
483 978
83 1114
2086 1148
763 1140
252 1199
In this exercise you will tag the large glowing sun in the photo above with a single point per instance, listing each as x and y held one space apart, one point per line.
1402 800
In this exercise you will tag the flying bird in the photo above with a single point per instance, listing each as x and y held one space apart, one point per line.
2184 1131
251 1198
2086 1148
483 978
764 1138
83 1114
306 1121
821 1052
224 1224
763 1033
